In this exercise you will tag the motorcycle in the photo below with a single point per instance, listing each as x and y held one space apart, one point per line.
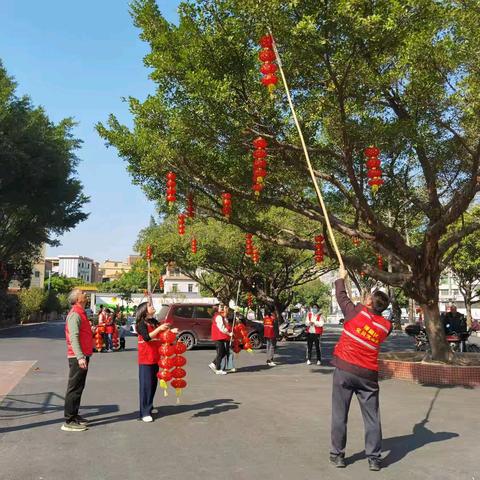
293 330
456 341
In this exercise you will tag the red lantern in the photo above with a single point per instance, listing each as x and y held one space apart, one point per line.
149 252
178 384
193 245
374 172
236 346
181 224
259 164
178 372
166 362
167 337
319 249
161 283
179 361
356 241
165 375
167 350
248 244
171 188
268 68
190 206
380 262
226 204
180 348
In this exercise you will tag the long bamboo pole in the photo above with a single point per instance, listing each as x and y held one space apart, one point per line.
307 156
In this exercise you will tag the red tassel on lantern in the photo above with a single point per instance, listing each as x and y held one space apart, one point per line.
193 245
374 172
268 68
181 224
227 204
319 249
171 188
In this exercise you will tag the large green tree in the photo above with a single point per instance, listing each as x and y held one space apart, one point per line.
220 264
40 196
400 74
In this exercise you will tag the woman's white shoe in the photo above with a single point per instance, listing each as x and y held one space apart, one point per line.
147 419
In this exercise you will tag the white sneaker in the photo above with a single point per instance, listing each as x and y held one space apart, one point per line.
213 367
271 364
147 419
232 370
220 372
319 362
309 362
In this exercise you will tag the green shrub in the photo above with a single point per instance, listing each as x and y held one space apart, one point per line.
52 303
63 302
32 301
9 309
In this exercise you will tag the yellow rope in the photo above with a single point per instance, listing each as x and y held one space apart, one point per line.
307 157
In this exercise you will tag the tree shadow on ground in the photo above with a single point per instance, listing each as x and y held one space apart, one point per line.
32 406
211 407
399 447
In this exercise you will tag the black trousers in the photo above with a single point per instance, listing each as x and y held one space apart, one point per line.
223 347
345 384
76 383
313 338
122 343
148 381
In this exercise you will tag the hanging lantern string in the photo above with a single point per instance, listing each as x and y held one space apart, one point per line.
305 151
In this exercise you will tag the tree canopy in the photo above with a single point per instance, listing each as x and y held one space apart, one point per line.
400 75
40 196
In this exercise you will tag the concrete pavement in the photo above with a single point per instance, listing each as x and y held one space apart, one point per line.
261 422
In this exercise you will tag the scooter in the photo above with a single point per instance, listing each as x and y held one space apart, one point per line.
293 330
457 341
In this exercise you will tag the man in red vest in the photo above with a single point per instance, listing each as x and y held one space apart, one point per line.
269 333
356 362
79 337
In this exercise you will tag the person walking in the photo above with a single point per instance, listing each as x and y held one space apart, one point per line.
270 336
79 338
148 329
109 328
314 323
356 371
220 334
122 333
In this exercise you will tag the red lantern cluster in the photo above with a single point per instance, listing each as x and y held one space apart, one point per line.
171 363
268 68
240 338
161 284
319 251
193 245
248 244
149 252
190 206
255 255
181 224
249 299
171 188
115 340
259 164
99 338
379 262
226 204
374 171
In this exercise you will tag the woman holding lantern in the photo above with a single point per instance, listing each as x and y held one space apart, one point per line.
148 330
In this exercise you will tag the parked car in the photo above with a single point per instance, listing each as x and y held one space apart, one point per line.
194 321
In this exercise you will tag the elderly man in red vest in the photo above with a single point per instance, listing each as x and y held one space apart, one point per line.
356 362
78 335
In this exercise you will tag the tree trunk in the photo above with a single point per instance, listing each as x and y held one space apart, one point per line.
436 333
397 314
467 297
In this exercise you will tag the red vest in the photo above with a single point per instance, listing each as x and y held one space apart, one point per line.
361 338
318 330
268 327
109 325
148 352
85 333
216 334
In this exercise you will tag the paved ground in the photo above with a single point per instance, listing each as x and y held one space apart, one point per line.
259 423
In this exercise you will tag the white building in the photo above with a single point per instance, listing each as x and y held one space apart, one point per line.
176 283
72 266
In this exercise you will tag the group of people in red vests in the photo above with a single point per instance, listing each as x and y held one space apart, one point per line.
355 359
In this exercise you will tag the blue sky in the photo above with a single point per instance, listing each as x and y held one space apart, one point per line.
78 59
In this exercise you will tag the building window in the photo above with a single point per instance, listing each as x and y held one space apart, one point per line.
37 274
190 287
116 265
175 287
